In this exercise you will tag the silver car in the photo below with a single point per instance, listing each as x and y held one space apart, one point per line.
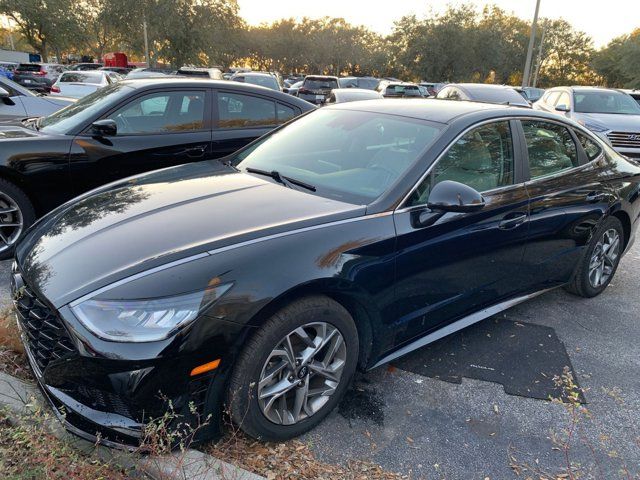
17 102
611 114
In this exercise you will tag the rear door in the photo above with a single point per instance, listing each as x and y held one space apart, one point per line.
567 198
240 118
453 264
156 129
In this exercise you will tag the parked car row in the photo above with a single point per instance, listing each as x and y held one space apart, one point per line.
257 276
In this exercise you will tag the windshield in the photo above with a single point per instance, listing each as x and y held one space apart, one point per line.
320 83
347 155
605 101
76 114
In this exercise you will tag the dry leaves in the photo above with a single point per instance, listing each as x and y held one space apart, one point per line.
291 460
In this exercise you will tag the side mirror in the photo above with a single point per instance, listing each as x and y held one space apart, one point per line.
104 128
450 196
5 97
562 108
285 90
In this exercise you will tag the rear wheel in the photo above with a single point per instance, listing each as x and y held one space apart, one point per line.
294 370
16 215
601 260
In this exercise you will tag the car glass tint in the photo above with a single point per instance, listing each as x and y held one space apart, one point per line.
603 101
320 84
237 111
285 113
268 82
550 146
482 159
161 113
351 156
27 67
78 77
77 114
591 148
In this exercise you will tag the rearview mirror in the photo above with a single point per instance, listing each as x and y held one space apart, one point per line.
450 196
562 108
5 96
104 128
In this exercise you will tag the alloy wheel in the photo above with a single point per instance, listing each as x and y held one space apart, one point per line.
301 373
11 222
604 258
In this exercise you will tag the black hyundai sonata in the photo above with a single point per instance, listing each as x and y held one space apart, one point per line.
351 236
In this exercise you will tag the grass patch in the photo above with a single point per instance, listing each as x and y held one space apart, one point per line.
13 360
28 452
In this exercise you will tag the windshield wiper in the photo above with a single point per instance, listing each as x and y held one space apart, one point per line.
281 178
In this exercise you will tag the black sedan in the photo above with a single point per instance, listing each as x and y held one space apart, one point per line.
126 128
343 240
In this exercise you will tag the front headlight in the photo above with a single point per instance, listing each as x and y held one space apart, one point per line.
146 320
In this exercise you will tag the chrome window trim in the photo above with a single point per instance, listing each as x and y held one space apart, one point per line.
401 206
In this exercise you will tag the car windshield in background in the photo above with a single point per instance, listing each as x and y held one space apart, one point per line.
346 155
605 102
80 77
368 83
263 81
408 90
29 67
320 84
76 114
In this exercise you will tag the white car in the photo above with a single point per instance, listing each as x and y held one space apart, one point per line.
77 84
341 95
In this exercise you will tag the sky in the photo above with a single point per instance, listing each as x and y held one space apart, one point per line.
602 20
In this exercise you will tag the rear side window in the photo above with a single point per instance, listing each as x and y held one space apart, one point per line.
240 111
591 148
550 146
285 113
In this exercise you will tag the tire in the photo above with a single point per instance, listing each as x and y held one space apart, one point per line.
257 360
583 283
12 197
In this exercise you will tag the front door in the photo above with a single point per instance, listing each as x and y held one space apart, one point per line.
155 130
452 264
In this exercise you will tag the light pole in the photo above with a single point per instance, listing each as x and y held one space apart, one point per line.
527 65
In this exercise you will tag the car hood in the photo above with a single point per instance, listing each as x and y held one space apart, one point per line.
617 123
12 129
61 101
150 220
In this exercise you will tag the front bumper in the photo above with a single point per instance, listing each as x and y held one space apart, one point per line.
106 397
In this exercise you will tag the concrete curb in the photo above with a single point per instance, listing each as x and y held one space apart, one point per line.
22 398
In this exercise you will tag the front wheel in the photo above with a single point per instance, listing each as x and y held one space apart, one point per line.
16 215
294 370
601 260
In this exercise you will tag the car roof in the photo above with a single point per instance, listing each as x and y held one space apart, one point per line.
196 82
436 110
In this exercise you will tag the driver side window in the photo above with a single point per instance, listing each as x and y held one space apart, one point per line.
482 159
161 112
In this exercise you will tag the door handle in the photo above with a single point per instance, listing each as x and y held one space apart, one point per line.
196 151
512 220
594 197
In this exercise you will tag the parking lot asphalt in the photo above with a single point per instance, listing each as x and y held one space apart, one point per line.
429 428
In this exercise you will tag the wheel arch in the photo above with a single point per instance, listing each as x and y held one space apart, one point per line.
626 225
11 175
356 301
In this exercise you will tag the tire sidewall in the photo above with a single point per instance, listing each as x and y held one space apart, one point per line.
245 400
26 210
587 288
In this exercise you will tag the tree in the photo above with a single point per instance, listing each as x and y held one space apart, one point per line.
619 62
45 24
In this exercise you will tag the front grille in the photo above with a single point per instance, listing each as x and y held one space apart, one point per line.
625 139
101 400
46 336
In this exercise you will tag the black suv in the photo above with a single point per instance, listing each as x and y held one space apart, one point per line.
316 88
